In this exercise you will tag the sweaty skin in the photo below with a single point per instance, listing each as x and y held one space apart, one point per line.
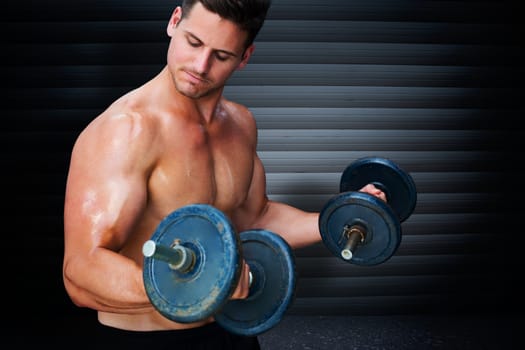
172 142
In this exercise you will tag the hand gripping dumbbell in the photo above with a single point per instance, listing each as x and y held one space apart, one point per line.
192 265
359 227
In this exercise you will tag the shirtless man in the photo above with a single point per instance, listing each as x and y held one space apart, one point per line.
172 142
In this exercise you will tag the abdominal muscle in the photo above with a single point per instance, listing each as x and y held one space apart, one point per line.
152 321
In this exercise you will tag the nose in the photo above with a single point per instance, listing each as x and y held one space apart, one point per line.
202 62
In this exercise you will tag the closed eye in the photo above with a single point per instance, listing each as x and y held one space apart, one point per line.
221 55
193 42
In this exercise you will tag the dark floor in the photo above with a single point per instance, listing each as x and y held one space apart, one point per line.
394 332
419 332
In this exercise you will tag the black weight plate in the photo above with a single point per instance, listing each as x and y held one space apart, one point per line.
383 230
272 264
397 184
194 295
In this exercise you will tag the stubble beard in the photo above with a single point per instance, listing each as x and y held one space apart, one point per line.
191 90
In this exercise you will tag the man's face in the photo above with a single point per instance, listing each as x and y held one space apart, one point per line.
204 51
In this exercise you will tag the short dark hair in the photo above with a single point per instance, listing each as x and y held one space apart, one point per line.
248 14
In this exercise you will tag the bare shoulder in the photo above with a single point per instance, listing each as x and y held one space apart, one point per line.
117 131
242 116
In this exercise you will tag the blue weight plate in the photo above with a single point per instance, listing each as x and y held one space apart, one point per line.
395 182
272 264
383 230
197 294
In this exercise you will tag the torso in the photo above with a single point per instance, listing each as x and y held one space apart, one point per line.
193 163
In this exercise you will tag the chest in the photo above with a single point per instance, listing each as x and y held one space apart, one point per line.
203 168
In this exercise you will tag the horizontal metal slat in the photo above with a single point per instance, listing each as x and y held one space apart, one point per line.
394 140
411 161
379 10
271 53
318 140
433 182
312 30
396 305
369 286
309 162
291 96
426 202
396 266
57 119
277 75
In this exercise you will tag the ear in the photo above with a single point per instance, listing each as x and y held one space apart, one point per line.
246 57
174 20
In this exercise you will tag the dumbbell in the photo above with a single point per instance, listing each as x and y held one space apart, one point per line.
359 227
192 265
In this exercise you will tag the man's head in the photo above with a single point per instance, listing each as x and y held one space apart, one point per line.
210 39
248 14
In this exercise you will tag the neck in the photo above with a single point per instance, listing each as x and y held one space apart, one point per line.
205 107
208 108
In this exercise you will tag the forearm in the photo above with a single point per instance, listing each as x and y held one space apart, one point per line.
117 287
298 227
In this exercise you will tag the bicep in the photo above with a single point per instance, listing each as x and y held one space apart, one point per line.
298 227
106 190
101 214
252 210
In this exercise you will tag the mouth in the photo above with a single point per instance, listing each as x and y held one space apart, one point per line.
194 78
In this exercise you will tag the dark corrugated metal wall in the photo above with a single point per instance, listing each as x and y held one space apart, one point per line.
433 85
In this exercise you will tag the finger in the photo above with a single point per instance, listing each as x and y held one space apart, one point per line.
243 287
374 191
